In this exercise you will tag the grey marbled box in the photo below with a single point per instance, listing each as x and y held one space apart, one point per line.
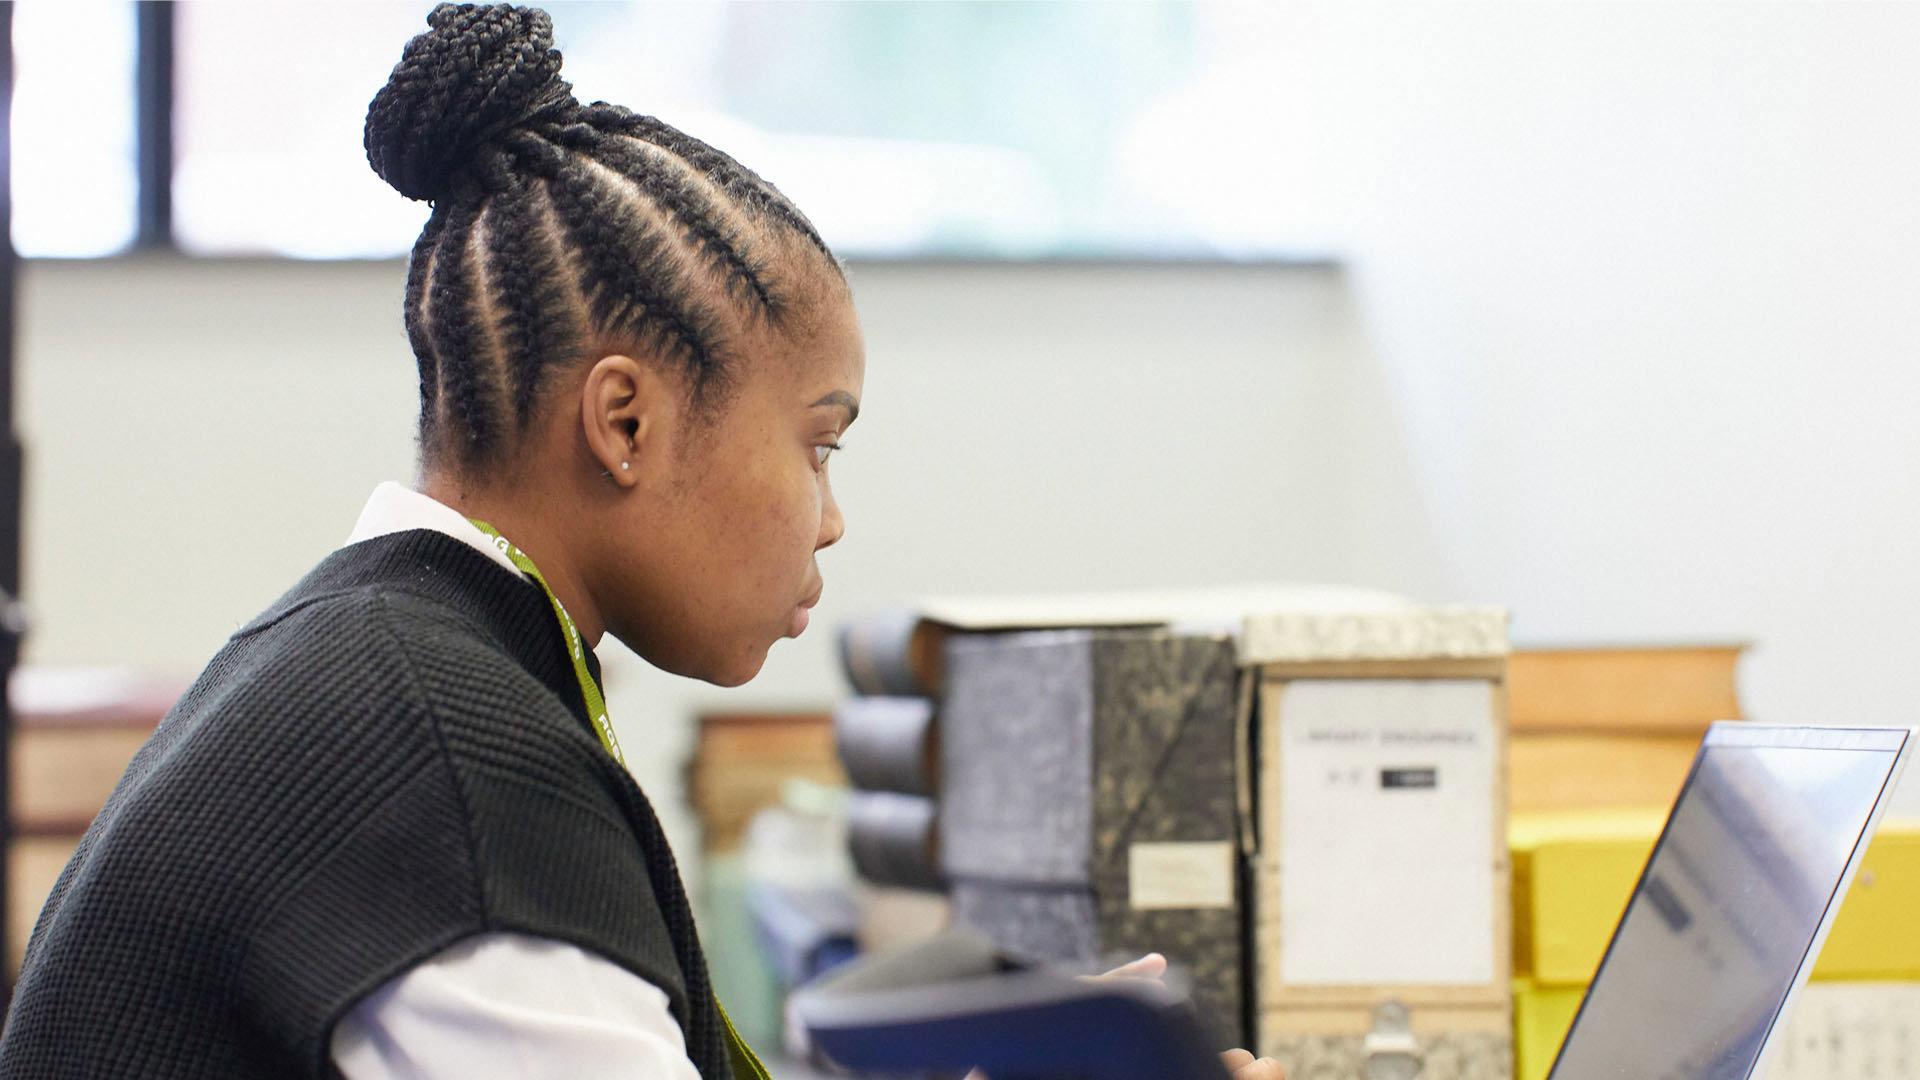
1073 760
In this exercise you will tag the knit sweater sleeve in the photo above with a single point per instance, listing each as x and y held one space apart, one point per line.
508 822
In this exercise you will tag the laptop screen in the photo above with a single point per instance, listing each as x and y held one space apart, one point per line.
1729 904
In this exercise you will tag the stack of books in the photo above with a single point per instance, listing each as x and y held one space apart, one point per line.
742 760
890 747
1613 725
888 739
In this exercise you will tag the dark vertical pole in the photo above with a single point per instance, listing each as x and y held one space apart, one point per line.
153 75
9 493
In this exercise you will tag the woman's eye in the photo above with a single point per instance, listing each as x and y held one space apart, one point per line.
822 452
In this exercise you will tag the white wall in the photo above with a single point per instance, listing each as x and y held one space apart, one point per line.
1627 341
199 433
1642 280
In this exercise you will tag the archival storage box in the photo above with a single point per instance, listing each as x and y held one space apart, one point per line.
1381 883
1088 800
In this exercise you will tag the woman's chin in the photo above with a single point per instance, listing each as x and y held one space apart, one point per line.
738 670
704 659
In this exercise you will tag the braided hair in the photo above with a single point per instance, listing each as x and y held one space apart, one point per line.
559 227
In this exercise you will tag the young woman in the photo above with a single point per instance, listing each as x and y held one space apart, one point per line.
388 832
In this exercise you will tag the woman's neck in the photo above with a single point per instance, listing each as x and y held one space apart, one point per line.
532 526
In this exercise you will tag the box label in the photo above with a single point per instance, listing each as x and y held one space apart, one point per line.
1386 790
1193 875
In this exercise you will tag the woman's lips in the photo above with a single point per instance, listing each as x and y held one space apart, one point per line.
802 614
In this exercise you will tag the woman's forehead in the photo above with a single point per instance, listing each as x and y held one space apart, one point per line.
824 354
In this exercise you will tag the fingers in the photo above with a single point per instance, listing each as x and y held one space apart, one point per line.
1245 1066
1150 966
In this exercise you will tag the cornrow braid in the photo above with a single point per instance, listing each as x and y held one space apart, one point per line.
558 226
538 309
635 284
669 183
417 336
741 184
463 387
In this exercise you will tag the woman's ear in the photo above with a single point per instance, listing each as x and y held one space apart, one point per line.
626 407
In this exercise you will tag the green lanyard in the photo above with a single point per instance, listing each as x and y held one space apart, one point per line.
746 1066
589 690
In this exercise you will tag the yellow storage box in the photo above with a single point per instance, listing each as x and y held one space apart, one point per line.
1541 1017
1573 871
1877 936
1838 1030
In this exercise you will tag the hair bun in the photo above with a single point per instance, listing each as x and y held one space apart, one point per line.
478 71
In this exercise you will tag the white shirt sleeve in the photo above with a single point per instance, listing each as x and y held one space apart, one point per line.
512 1005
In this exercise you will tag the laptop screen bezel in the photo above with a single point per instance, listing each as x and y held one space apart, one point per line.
1898 741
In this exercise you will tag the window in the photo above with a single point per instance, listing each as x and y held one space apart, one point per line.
965 129
73 129
268 108
969 129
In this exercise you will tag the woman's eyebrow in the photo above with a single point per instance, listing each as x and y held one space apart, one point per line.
842 399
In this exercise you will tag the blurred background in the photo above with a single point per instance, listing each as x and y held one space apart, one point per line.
1602 312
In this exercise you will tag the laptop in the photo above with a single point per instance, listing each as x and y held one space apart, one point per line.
1734 903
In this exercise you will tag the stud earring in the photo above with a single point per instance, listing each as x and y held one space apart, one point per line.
623 466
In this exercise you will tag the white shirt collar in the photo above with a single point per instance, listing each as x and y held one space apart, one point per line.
393 508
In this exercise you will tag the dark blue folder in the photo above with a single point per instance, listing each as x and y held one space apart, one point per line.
953 1004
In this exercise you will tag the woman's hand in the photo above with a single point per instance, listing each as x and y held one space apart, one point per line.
1243 1065
1150 966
